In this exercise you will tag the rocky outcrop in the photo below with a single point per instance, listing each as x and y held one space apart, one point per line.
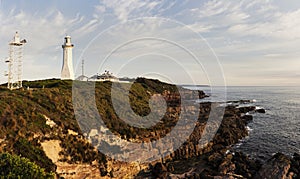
295 166
275 168
214 159
280 166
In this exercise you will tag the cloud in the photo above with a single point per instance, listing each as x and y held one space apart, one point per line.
244 34
273 55
125 9
200 28
281 25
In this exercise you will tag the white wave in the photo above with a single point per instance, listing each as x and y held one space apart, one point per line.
257 107
248 128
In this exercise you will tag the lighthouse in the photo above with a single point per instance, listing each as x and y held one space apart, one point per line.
67 67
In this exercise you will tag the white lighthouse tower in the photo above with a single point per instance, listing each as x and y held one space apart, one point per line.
67 67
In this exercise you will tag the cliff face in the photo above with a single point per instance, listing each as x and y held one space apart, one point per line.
38 123
216 158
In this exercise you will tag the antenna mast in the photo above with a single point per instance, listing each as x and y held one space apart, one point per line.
82 67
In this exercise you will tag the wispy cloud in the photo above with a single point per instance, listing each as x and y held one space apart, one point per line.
125 9
244 34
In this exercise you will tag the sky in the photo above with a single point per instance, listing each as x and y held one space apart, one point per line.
240 43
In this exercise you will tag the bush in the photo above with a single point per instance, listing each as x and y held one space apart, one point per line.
34 153
13 166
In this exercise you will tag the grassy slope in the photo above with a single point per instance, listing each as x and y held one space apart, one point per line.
23 125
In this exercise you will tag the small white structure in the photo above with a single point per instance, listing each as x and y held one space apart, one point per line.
67 67
82 77
106 76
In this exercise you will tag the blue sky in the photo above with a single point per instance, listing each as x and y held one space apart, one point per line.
246 42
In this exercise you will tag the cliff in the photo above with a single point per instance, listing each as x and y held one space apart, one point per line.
38 123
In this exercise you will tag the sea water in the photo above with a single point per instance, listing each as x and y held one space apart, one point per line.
278 130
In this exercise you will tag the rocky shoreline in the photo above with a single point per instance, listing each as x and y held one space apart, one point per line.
218 159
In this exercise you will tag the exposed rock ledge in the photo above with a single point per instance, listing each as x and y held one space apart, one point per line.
218 161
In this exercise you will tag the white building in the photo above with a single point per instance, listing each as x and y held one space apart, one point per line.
67 67
82 78
106 76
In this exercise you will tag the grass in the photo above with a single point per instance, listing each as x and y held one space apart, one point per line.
22 121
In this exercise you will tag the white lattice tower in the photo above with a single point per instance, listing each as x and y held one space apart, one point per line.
15 63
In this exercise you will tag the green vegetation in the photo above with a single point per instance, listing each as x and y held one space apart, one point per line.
140 93
33 152
23 125
24 112
13 166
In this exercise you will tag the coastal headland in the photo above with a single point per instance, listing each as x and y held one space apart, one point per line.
38 123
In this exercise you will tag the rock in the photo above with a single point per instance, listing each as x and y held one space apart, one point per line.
246 101
246 109
261 110
201 94
214 161
275 168
248 118
226 167
207 174
295 166
245 166
296 156
160 170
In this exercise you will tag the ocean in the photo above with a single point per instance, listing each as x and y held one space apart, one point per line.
278 130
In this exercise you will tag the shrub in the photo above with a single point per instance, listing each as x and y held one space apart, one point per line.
13 166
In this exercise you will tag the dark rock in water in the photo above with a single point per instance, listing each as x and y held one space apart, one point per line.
240 101
275 168
260 110
296 156
247 118
246 109
201 94
245 101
